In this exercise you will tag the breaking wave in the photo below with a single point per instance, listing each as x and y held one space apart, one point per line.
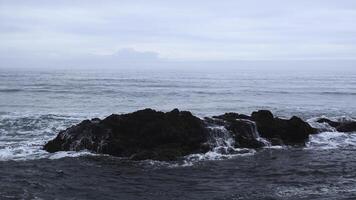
22 136
330 138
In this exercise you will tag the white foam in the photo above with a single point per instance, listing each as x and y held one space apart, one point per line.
320 126
223 147
331 140
22 136
28 152
325 126
318 189
63 154
275 147
216 155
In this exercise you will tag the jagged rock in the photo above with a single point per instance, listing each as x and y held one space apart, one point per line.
344 126
149 134
232 116
145 134
245 133
293 131
278 131
242 129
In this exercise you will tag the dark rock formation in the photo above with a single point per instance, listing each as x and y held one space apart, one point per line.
245 133
242 129
232 116
278 131
347 127
344 126
328 121
145 134
292 131
148 134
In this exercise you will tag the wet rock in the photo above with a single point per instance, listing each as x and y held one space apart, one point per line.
242 130
293 131
328 121
145 134
347 127
344 126
232 116
150 134
262 116
245 133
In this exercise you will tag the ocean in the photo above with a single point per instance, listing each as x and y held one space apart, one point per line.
36 104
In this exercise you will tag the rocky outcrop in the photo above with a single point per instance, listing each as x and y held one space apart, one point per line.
341 126
293 131
145 134
150 134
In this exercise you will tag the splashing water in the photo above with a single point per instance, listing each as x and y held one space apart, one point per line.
330 138
22 136
253 130
223 146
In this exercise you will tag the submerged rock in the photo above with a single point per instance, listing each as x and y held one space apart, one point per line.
150 134
344 126
145 134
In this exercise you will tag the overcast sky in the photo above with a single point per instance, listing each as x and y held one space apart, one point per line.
73 31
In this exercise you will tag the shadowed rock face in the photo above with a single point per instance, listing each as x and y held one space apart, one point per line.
149 134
